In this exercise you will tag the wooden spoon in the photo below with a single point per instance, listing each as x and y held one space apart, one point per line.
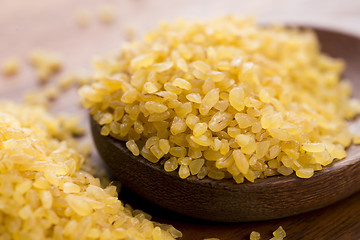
226 201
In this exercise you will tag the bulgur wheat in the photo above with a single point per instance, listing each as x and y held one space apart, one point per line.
239 100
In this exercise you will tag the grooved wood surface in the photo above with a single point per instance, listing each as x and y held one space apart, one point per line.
51 25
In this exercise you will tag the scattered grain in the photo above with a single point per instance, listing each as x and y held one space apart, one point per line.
46 64
106 14
10 67
83 17
254 235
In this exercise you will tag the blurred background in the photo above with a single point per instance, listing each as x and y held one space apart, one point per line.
82 29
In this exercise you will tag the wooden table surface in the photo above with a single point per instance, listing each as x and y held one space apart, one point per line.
51 25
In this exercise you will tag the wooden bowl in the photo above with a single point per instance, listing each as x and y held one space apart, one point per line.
226 201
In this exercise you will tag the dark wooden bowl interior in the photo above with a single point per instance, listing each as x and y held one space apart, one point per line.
226 201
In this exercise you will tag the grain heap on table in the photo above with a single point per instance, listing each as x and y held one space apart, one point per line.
279 234
46 194
225 99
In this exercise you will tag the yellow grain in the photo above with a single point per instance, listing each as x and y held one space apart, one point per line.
106 14
83 17
209 97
